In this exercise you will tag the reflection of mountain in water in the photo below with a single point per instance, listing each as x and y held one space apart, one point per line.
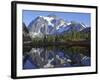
52 57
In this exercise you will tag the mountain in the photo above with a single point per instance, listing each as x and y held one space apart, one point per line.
86 30
26 36
51 25
73 26
25 30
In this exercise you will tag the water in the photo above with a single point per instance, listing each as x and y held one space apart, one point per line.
56 57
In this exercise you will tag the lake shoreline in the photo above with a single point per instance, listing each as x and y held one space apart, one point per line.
67 43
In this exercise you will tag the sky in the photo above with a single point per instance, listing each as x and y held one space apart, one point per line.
29 15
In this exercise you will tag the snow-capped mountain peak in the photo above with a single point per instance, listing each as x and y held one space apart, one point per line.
52 24
48 19
69 23
83 25
52 15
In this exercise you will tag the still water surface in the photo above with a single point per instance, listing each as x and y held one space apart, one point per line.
56 56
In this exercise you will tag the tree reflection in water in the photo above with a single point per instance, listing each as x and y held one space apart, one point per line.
54 57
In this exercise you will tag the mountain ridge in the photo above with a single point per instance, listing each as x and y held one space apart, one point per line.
51 25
